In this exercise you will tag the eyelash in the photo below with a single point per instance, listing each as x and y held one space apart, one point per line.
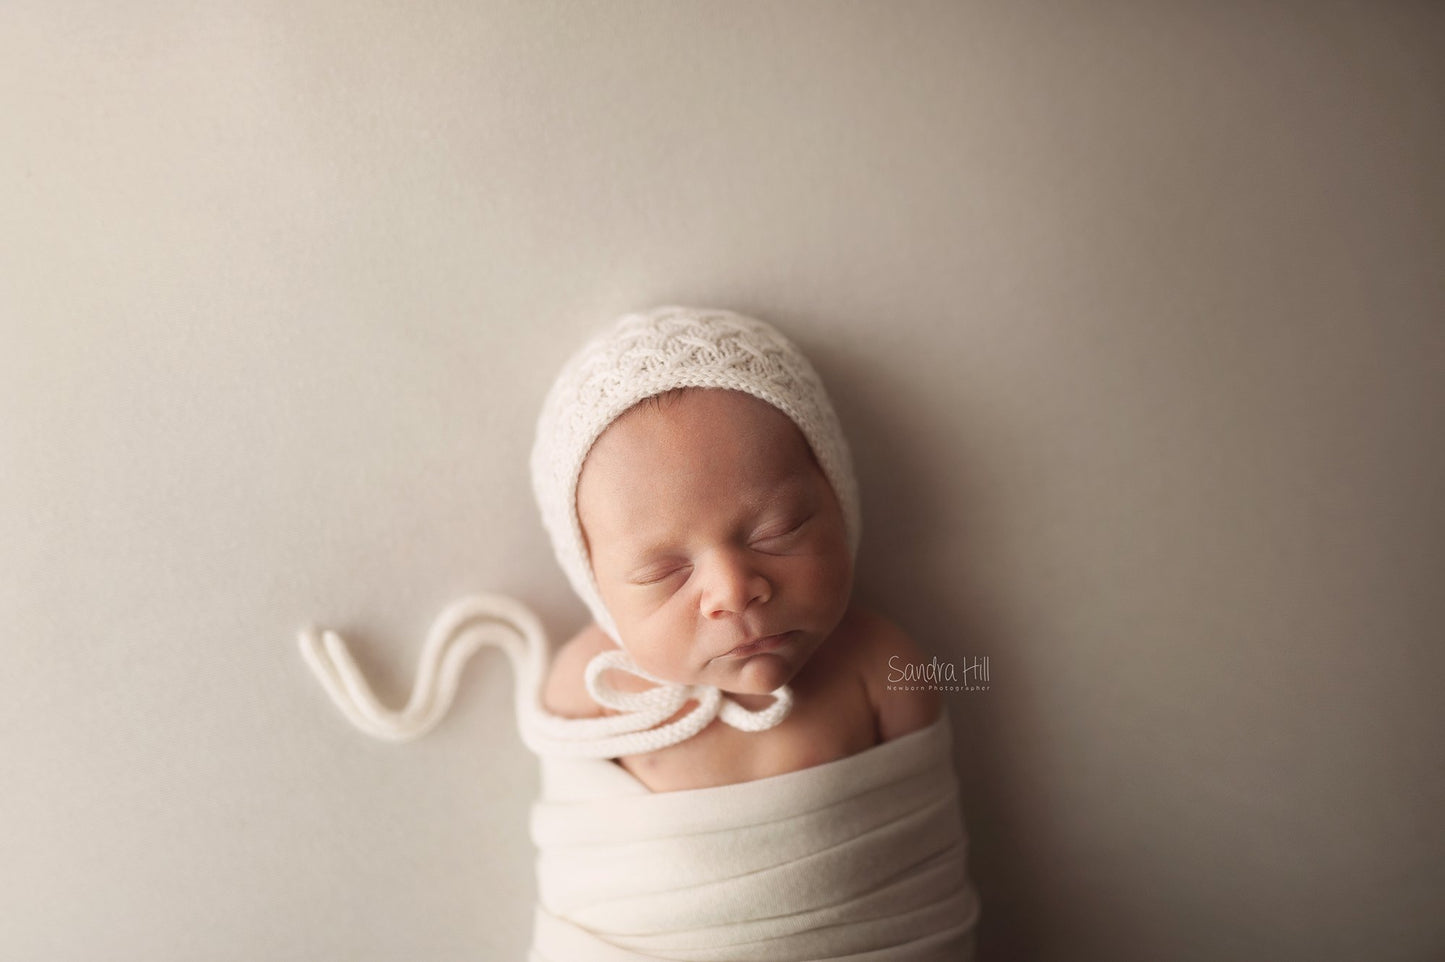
660 578
781 534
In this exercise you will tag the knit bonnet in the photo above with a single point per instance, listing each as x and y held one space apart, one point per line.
646 354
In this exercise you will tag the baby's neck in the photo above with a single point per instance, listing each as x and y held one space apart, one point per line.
750 702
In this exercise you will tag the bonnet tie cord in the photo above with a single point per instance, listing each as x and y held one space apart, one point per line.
468 624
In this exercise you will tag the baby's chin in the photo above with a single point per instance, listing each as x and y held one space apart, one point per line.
761 674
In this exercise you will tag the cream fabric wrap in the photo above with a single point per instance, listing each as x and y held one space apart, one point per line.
858 859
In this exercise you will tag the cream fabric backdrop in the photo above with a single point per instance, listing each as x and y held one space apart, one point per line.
1133 312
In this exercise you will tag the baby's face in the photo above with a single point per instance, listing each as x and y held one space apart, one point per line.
711 529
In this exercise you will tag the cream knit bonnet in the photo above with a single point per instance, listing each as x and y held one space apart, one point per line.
649 353
641 355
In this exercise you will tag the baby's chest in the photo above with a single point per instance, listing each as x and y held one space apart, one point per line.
817 731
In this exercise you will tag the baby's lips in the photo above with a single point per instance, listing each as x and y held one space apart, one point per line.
762 644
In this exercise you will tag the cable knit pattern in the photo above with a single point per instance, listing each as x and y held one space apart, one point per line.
647 354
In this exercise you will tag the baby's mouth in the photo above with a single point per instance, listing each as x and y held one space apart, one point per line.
769 643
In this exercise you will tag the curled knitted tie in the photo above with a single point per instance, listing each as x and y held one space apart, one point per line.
468 624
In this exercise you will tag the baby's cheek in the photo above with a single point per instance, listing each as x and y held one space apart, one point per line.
825 582
840 586
668 665
661 648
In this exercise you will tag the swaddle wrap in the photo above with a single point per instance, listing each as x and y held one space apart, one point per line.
863 858
858 860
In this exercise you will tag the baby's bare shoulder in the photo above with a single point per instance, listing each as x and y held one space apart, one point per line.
870 635
880 643
565 691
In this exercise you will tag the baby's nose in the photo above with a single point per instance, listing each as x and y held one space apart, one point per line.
733 585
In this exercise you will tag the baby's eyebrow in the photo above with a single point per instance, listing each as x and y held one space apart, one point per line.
652 552
789 491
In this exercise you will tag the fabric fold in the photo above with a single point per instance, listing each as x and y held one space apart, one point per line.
863 859
859 856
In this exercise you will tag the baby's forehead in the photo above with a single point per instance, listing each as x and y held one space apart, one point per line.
693 463
686 418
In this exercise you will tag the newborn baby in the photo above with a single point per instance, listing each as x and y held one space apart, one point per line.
721 551
699 494
726 776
